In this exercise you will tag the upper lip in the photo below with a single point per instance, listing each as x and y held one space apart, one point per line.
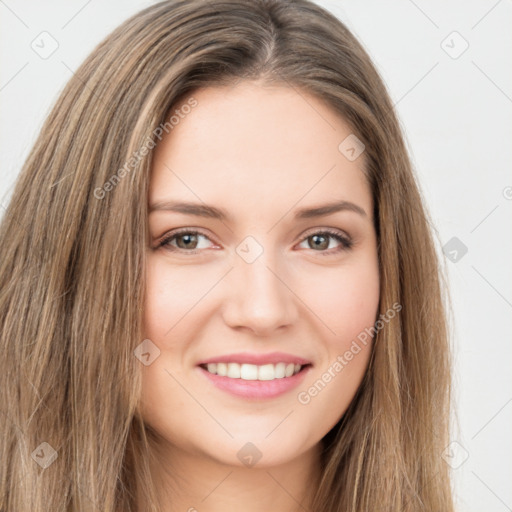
257 359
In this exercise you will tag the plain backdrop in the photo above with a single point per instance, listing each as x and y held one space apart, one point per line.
447 67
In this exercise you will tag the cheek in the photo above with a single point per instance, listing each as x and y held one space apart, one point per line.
345 300
171 293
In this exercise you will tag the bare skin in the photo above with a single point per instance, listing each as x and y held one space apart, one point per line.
260 154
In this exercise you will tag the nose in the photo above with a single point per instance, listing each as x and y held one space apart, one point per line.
258 298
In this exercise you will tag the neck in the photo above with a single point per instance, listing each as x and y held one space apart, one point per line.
194 482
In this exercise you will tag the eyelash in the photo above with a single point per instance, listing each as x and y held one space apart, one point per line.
345 242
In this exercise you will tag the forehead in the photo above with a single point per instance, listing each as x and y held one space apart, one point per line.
266 144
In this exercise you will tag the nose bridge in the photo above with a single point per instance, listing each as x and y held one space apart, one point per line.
257 296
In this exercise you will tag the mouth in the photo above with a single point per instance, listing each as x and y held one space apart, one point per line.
255 376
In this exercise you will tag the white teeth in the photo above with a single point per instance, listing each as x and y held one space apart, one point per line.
222 369
248 371
266 372
233 371
254 372
280 370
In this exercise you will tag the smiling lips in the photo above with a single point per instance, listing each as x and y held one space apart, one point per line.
255 375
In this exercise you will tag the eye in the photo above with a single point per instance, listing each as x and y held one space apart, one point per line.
186 240
327 242
190 241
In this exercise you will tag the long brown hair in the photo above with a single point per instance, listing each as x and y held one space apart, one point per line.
72 256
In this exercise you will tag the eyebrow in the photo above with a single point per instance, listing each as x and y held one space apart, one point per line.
204 210
327 209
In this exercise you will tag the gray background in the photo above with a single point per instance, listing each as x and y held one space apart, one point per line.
456 110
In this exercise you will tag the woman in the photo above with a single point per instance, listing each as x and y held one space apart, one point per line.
219 284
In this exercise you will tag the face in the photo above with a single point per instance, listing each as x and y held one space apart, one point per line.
255 292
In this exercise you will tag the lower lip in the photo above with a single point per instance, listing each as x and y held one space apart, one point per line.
257 389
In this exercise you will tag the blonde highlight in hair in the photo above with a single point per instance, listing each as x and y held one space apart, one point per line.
72 266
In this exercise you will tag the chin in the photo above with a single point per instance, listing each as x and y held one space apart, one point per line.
256 451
